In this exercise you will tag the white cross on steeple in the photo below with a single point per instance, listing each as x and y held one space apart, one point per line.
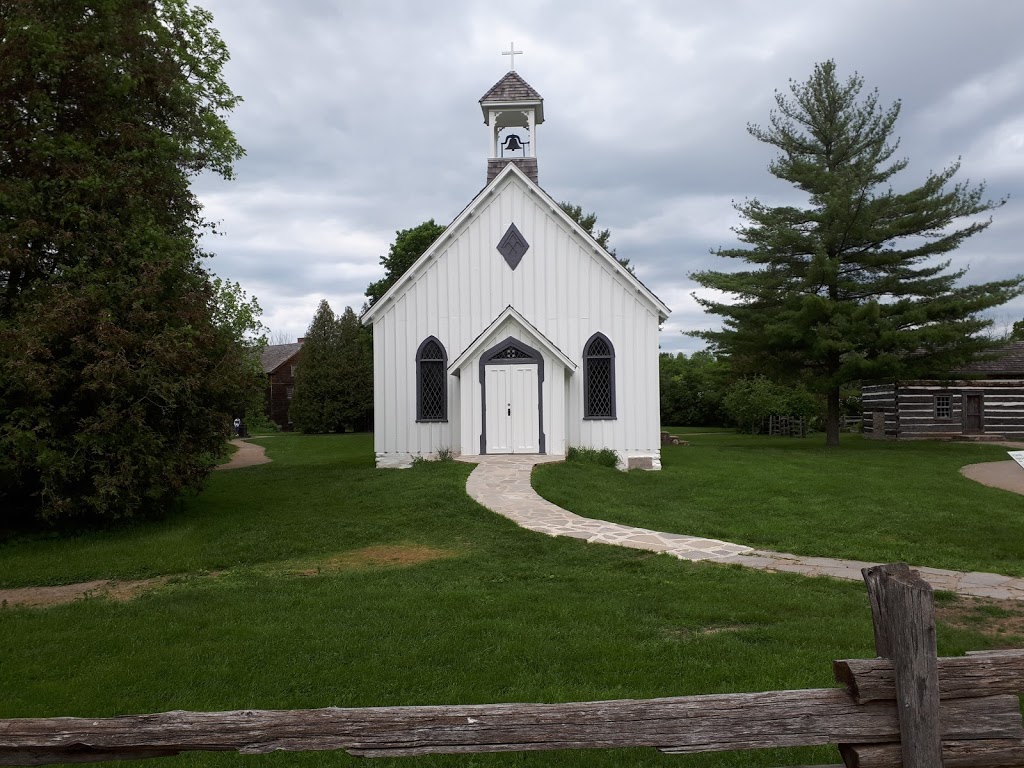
511 53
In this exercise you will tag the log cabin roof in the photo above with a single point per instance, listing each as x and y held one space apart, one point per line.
1008 361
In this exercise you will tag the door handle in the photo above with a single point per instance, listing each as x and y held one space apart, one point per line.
510 410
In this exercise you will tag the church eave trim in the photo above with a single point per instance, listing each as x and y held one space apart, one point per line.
467 213
512 313
464 215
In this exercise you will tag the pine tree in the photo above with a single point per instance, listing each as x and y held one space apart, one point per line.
334 376
315 406
355 372
849 288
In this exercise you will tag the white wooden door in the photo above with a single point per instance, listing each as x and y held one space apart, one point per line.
513 423
525 421
497 379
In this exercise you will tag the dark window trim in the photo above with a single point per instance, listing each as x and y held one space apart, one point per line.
587 416
490 358
419 382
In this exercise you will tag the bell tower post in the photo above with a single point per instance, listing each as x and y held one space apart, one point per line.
512 110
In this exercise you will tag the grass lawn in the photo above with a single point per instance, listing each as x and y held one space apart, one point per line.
317 580
875 501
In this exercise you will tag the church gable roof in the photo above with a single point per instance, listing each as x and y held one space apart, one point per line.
511 87
513 174
510 313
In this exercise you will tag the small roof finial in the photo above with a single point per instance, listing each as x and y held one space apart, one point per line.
512 53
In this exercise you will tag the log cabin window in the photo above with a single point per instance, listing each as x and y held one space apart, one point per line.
598 378
943 406
431 381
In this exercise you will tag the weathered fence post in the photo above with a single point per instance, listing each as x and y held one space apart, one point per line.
903 611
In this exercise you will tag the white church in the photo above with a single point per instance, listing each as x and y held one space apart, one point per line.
515 332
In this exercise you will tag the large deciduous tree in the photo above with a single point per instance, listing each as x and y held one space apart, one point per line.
852 285
589 221
693 389
236 316
120 365
408 246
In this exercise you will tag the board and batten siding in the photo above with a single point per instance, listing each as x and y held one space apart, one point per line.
560 287
910 408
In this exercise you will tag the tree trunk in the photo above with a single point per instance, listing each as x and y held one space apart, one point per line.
832 420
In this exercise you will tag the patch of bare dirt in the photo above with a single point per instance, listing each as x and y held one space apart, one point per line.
393 556
43 597
686 634
1002 620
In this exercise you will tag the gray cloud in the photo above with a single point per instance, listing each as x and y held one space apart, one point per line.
361 118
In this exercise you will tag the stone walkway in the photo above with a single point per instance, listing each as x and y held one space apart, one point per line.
502 484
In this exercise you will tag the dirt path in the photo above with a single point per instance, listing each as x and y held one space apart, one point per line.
247 455
1007 475
36 597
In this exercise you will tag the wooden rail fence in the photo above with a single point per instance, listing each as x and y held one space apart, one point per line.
906 708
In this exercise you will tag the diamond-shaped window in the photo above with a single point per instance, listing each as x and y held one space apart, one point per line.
513 246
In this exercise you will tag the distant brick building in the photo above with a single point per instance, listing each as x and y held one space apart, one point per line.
279 363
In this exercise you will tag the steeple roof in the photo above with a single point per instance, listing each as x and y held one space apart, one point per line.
512 89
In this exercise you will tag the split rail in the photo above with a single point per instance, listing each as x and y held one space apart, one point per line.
905 708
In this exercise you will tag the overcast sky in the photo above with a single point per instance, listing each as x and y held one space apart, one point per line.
362 117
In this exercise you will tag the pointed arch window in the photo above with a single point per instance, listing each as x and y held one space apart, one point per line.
598 378
431 381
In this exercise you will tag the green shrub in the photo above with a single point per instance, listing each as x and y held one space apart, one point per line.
605 457
750 401
444 453
258 421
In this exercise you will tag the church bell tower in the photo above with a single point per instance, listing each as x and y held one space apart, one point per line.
512 111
